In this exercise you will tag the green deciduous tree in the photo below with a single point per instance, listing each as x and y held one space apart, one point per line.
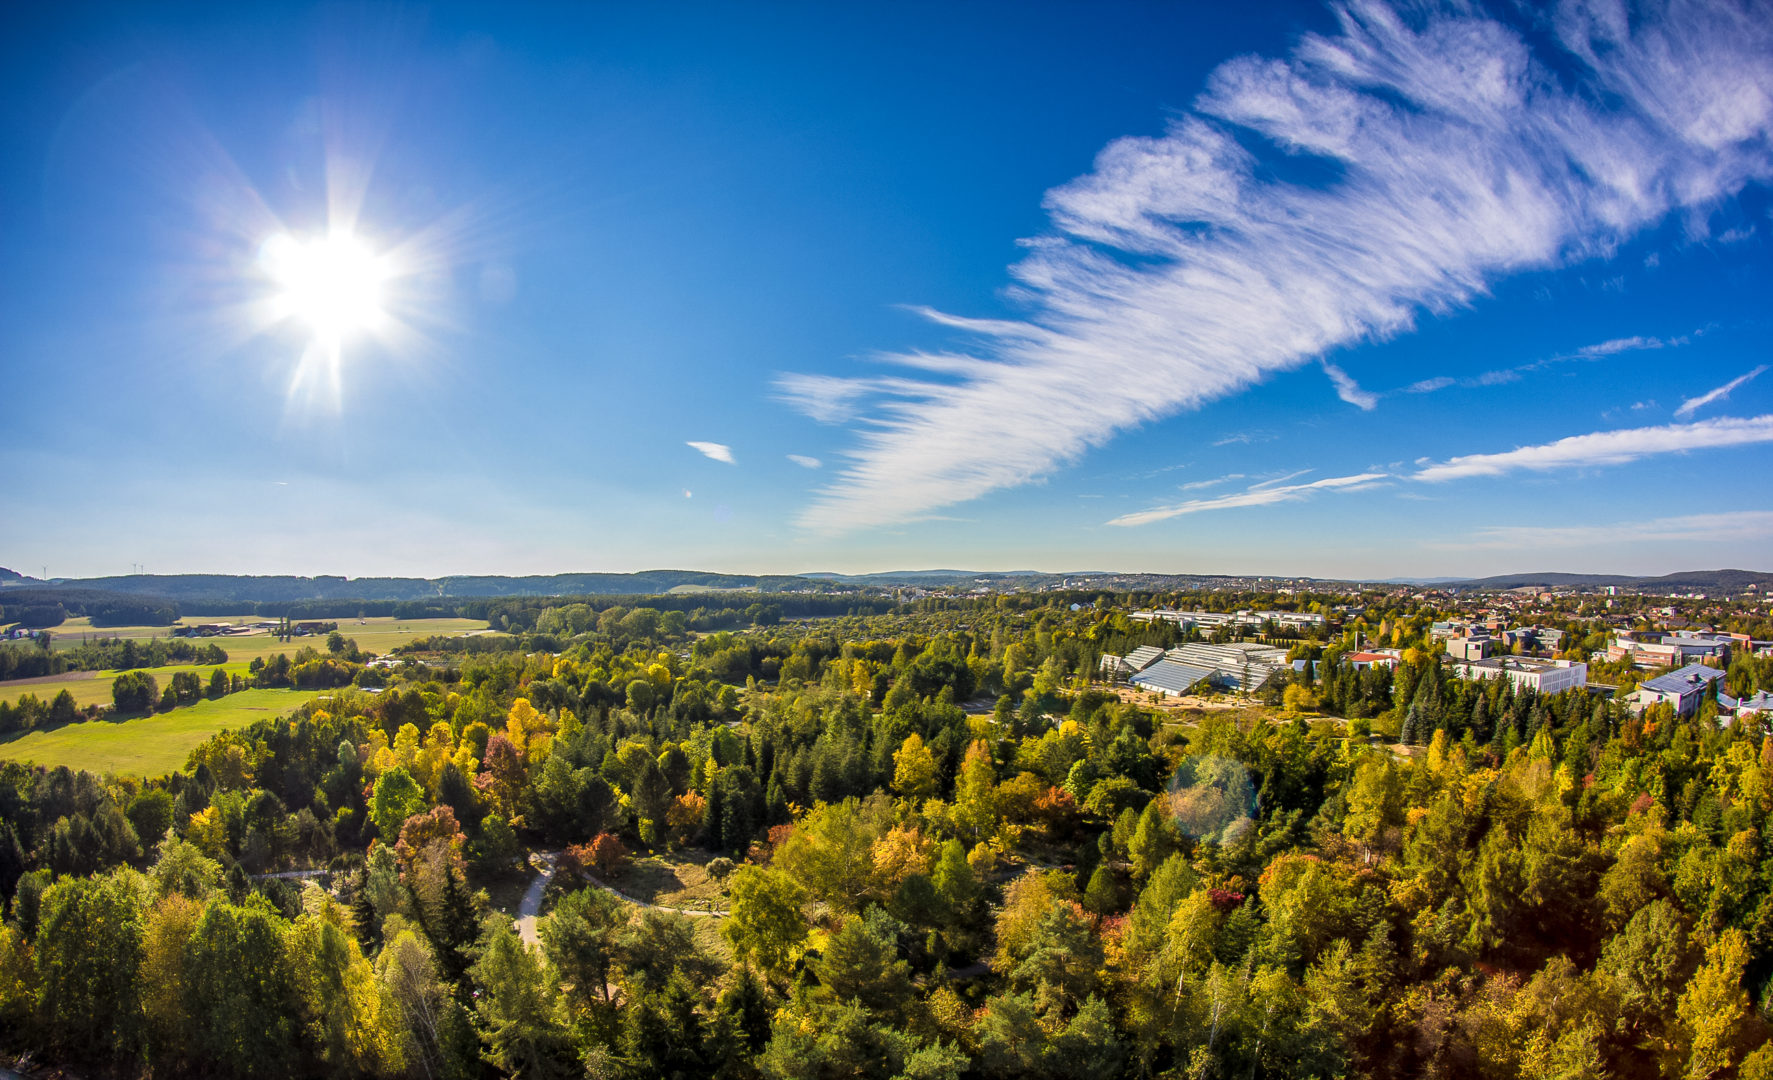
765 926
88 956
397 796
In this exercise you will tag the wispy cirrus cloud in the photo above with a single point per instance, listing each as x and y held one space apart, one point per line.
1626 344
1245 438
717 451
1500 376
1691 405
1257 495
1443 155
805 461
1349 390
1733 525
1198 485
1605 448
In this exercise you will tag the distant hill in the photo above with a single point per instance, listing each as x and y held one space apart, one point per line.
210 589
211 593
1686 580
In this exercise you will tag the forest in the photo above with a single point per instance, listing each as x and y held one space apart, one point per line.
949 851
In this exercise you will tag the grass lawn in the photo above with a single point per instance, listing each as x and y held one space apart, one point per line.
148 745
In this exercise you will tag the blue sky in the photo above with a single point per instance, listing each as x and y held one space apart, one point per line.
1319 290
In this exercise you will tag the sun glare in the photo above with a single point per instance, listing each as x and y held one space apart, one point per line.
333 283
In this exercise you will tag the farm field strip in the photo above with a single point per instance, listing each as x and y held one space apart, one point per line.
150 745
94 687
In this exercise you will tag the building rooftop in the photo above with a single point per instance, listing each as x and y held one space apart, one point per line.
1144 656
1680 682
1516 663
1171 676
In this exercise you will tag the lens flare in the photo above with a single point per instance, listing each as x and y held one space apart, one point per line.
333 284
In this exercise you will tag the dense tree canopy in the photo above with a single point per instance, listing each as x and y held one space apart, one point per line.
952 853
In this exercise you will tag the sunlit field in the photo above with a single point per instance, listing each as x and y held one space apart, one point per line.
150 745
376 635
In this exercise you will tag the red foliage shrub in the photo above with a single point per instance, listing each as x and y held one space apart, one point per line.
1224 899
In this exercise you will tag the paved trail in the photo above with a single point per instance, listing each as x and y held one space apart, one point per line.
532 900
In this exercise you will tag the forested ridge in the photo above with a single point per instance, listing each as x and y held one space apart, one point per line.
1061 881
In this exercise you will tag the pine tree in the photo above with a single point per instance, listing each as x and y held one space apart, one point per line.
1480 719
12 863
460 926
1102 895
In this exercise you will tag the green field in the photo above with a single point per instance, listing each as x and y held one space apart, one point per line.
149 745
94 687
378 635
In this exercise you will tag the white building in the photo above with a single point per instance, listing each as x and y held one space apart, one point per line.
1245 620
1545 676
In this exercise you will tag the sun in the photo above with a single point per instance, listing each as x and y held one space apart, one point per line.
333 283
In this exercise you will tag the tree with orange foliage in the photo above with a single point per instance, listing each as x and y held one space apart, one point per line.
607 854
431 835
685 815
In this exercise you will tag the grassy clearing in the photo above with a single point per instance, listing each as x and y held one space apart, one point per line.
148 745
94 687
376 635
679 880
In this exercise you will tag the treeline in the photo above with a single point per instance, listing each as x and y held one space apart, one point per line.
43 609
26 661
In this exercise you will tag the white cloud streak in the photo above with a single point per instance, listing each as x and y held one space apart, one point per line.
1630 344
1501 376
1215 482
1408 162
805 461
717 451
1734 525
1691 405
1605 448
1259 495
1349 390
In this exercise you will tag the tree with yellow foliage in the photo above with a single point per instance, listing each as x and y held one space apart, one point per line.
522 724
208 832
975 794
914 769
1715 1011
350 1016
